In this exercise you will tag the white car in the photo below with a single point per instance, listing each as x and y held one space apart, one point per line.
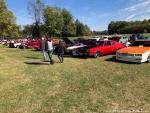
16 45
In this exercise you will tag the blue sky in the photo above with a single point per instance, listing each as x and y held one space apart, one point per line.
97 14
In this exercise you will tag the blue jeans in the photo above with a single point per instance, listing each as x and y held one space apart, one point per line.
61 57
44 55
50 54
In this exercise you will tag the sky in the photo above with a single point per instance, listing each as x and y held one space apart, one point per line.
97 14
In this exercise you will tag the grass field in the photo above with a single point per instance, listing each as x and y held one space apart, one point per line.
145 34
78 86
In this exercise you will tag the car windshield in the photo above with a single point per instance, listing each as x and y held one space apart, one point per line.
117 38
100 43
142 43
88 42
92 42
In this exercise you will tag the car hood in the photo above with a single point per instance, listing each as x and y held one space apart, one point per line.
88 47
75 47
68 41
134 50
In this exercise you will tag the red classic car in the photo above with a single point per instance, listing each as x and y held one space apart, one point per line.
98 48
33 44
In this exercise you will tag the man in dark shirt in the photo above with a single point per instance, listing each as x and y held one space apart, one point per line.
61 50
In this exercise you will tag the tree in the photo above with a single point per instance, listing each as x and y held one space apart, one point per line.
8 26
69 28
129 27
87 31
27 30
81 29
53 20
36 10
60 22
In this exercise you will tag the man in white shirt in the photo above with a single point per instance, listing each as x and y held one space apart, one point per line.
50 50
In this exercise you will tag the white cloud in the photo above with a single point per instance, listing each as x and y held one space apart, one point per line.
130 17
137 11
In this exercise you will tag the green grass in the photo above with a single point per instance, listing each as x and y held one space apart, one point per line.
78 86
145 34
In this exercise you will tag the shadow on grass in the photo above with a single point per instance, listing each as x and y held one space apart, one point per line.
33 50
113 59
76 57
33 58
36 63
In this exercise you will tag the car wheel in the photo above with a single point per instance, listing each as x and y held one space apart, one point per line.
96 54
148 59
17 47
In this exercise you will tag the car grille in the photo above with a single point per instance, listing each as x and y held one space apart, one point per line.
128 54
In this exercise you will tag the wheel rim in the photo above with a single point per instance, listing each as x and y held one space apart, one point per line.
96 55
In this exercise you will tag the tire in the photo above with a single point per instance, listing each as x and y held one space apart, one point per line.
148 59
18 47
96 54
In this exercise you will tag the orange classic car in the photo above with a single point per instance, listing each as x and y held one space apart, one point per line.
139 52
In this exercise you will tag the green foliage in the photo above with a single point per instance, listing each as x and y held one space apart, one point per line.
56 22
69 28
7 22
124 27
59 22
36 31
53 21
27 30
81 29
35 8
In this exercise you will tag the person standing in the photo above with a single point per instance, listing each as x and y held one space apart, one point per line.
61 50
43 48
50 50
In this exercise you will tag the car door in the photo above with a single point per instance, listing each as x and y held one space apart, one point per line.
113 46
100 46
107 49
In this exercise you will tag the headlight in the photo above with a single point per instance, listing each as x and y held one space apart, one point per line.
138 55
118 53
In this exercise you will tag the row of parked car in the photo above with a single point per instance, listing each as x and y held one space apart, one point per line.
138 51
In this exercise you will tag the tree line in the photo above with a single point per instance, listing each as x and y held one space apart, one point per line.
53 21
131 27
57 22
48 20
8 26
